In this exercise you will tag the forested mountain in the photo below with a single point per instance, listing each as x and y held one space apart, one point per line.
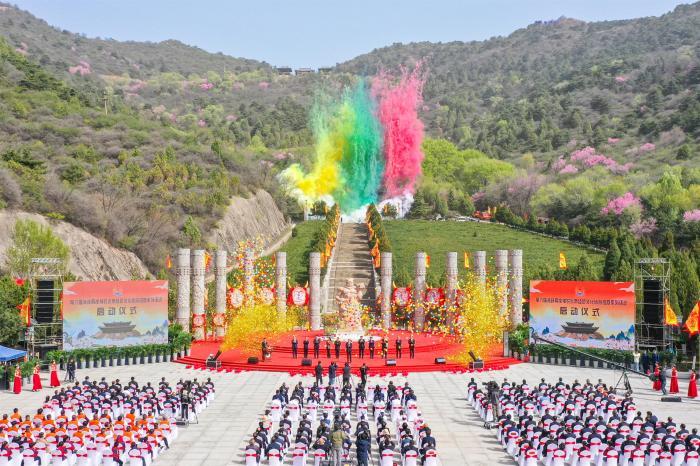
559 81
593 124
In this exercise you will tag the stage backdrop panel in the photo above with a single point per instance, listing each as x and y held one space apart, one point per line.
119 313
584 314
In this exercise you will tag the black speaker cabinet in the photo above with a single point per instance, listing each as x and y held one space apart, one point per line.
391 362
671 399
478 364
253 360
44 301
306 362
440 361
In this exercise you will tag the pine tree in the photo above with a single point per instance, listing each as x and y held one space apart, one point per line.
612 261
419 209
584 269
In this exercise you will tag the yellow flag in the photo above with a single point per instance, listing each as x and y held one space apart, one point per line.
670 317
466 260
25 311
562 261
427 261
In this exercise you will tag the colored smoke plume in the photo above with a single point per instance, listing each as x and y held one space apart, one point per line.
403 130
367 144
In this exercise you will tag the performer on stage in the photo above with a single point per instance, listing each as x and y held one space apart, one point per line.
674 380
361 347
306 347
411 347
18 380
657 377
36 379
317 347
295 347
693 385
54 380
371 347
398 348
328 348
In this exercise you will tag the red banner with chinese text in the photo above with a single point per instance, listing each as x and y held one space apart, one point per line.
584 314
118 313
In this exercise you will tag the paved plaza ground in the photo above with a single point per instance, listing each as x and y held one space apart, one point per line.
227 423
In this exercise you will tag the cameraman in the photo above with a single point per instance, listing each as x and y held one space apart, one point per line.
185 400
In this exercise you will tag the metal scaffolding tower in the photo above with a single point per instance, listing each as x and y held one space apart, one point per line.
45 285
651 331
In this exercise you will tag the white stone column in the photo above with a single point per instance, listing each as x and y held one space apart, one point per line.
418 292
480 266
501 260
450 288
315 290
183 271
220 274
198 290
386 283
515 257
281 283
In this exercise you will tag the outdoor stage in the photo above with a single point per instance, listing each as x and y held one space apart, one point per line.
428 347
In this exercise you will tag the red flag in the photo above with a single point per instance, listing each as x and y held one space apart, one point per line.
168 262
19 281
691 323
207 260
25 311
427 261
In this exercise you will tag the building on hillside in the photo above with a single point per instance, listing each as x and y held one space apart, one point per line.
284 70
300 71
325 70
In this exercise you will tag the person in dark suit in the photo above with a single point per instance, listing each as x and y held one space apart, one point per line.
336 343
347 370
385 348
411 347
348 350
361 347
371 348
398 348
295 347
306 347
364 372
363 446
319 373
317 347
328 348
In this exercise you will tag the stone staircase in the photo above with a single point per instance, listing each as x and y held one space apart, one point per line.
351 259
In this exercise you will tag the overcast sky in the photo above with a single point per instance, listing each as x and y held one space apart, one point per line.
315 33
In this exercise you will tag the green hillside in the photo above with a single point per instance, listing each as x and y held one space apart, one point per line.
298 249
438 238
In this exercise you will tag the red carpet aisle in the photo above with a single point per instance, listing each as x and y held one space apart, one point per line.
428 347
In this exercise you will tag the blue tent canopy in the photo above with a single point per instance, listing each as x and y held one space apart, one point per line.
10 354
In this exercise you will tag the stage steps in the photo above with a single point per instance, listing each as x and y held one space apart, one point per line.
351 259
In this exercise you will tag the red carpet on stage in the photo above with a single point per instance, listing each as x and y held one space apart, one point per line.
428 347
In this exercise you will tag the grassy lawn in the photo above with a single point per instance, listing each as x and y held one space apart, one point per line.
438 238
298 248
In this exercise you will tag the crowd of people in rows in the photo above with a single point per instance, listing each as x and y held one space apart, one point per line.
580 424
102 423
316 422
